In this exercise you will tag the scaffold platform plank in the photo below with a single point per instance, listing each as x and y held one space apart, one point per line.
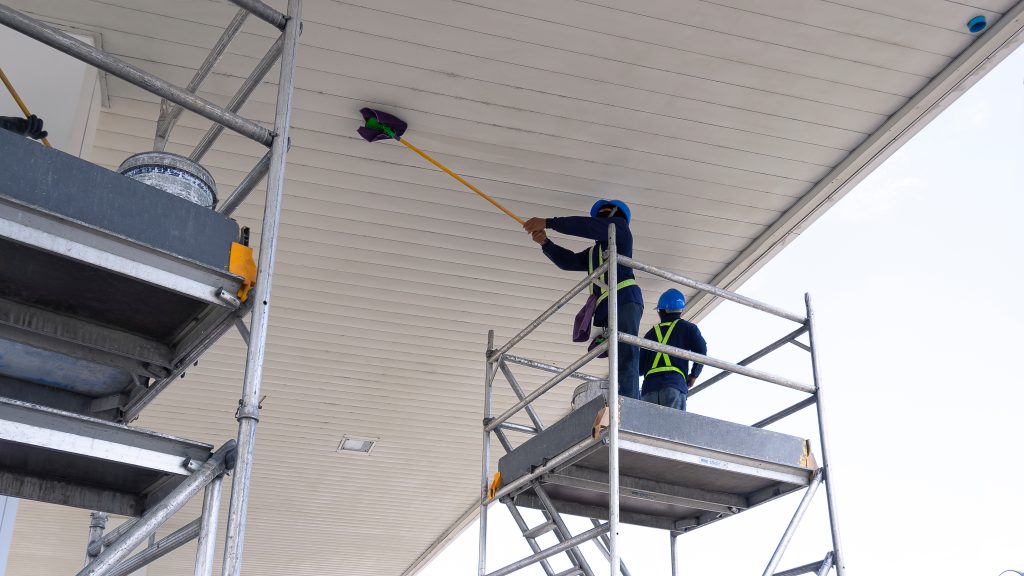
73 460
106 282
678 470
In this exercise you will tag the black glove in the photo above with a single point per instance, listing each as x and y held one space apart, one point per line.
31 126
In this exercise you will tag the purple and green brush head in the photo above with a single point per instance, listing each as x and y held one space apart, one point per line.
381 126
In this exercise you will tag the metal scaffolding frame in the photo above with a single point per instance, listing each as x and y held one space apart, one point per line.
108 554
606 534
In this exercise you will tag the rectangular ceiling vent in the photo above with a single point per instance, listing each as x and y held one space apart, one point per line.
360 446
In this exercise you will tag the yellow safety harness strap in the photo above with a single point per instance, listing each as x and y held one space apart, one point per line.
604 277
661 356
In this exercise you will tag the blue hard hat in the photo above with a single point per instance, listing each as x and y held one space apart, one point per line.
672 299
617 203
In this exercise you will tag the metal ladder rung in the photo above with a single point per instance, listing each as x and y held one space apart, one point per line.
540 530
574 571
819 567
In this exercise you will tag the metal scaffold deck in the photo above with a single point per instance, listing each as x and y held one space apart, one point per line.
620 460
109 290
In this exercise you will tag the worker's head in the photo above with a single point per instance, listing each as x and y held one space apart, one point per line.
671 304
610 209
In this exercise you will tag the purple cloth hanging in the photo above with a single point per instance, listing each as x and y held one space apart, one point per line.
584 320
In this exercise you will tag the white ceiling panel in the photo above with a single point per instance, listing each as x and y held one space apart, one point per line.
728 125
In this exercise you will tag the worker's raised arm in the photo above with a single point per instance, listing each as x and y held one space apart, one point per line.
564 258
587 227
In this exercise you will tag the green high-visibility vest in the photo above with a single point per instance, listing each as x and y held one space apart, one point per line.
661 358
604 277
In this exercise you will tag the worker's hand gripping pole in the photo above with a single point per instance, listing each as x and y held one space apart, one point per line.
373 124
20 102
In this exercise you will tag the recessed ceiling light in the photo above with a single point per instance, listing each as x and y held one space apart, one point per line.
354 445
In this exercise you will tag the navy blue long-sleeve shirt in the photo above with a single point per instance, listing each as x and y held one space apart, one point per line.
685 335
595 229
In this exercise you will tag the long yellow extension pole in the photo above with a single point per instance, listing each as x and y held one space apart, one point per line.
461 179
21 104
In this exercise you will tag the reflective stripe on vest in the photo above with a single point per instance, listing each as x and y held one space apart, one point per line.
661 357
604 277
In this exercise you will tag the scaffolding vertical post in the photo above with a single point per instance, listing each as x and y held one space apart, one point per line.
672 536
485 455
97 524
613 404
248 411
207 544
819 405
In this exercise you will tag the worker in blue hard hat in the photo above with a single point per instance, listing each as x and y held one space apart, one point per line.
667 379
630 300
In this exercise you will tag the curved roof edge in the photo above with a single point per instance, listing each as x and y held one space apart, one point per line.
962 73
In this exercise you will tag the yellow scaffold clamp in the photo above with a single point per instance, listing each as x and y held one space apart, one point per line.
495 485
242 264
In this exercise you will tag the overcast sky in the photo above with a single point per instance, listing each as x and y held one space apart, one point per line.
916 276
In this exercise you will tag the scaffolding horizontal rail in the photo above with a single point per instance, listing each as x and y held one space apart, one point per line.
133 74
549 368
518 428
809 401
263 12
580 287
788 338
597 351
159 549
709 361
719 292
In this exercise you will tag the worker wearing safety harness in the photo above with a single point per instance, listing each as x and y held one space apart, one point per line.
631 304
668 378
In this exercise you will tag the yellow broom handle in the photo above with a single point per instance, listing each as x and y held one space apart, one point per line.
461 179
21 104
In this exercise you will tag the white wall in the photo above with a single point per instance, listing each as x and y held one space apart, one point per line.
8 510
62 91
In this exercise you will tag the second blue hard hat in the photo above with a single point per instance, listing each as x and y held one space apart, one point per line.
617 203
672 300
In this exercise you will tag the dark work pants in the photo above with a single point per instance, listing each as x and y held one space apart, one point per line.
669 397
629 355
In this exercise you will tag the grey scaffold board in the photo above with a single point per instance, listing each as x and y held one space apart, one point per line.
106 283
679 470
72 460
78 190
